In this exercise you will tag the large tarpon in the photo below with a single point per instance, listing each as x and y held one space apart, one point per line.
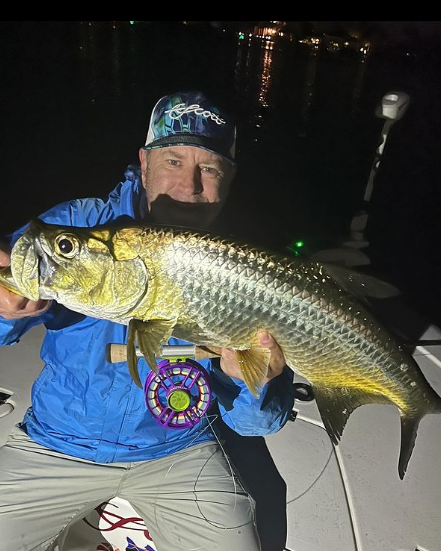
215 292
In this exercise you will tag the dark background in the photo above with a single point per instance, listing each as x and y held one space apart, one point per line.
76 98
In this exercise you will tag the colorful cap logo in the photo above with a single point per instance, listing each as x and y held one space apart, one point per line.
189 118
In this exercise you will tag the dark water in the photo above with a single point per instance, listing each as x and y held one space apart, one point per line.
76 100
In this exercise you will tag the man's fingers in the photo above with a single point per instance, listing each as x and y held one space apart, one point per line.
277 359
14 306
267 341
228 354
230 364
35 307
11 301
5 258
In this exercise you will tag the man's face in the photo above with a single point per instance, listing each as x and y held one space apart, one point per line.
185 185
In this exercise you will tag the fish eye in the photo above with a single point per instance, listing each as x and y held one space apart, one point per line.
67 246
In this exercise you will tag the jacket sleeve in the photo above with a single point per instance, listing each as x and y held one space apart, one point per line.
250 416
12 330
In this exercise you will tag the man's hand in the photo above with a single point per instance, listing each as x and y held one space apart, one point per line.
230 365
14 306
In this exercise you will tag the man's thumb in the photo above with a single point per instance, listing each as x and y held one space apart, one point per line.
5 258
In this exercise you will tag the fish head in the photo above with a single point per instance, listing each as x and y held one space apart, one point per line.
88 270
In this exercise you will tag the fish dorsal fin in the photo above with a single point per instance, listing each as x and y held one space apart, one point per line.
362 286
337 404
149 335
254 366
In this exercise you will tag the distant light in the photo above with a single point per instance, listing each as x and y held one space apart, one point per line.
241 36
132 22
295 246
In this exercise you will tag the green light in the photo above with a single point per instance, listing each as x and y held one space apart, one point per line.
241 36
295 246
132 22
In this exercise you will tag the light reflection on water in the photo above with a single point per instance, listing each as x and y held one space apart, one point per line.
79 97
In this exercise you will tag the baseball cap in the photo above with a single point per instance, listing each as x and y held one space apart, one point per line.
190 118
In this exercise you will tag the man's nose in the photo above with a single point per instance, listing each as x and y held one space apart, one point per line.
190 181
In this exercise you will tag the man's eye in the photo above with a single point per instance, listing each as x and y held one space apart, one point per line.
209 170
173 162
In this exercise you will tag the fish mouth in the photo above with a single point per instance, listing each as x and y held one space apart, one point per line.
32 268
46 269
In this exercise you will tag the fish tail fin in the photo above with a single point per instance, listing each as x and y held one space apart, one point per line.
409 429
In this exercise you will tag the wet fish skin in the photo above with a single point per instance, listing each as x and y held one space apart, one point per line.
215 292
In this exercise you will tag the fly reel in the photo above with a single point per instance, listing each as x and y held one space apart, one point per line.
179 394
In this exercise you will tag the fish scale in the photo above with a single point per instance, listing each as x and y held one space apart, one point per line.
216 292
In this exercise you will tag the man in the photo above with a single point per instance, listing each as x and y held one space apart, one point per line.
88 436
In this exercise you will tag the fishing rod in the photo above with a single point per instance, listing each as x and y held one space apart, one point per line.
118 352
167 412
392 108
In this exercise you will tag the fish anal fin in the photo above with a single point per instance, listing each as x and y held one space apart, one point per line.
336 405
254 367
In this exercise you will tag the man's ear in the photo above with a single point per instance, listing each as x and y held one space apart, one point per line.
143 159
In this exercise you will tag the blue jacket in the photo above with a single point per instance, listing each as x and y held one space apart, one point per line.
86 407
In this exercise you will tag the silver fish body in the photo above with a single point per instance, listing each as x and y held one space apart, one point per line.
216 292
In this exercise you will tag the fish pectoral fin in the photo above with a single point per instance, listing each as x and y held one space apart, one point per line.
337 404
132 360
149 335
253 364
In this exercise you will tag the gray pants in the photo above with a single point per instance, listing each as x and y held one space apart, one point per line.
188 500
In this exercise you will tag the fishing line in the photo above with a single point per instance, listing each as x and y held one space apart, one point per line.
210 419
178 396
210 424
232 475
315 481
